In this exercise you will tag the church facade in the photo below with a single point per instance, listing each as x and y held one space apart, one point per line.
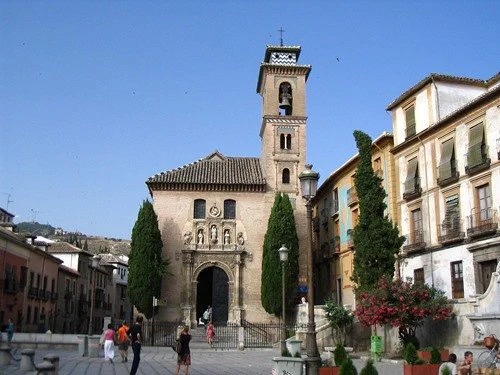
213 213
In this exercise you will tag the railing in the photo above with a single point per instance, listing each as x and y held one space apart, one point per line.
415 241
10 286
477 159
352 196
482 222
53 296
451 230
412 188
350 241
325 215
33 292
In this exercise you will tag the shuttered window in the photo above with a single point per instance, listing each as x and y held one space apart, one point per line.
476 142
452 215
410 121
418 276
412 176
446 166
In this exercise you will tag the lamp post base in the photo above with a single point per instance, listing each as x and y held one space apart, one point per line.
312 365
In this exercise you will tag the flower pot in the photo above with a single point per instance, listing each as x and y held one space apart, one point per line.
293 346
288 365
416 369
425 355
329 371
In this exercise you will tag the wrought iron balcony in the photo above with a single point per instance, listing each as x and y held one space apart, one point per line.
451 231
350 242
412 189
415 241
477 159
352 196
33 292
482 222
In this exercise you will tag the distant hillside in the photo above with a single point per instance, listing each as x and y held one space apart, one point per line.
36 229
96 244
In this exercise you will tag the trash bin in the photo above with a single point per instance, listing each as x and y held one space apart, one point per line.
94 346
376 347
82 345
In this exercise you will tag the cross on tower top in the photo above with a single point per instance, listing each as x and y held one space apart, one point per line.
281 31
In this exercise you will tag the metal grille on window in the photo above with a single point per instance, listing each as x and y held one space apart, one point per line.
199 208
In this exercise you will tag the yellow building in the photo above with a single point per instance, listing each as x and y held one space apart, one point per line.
336 214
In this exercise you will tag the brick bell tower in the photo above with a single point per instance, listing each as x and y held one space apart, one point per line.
282 85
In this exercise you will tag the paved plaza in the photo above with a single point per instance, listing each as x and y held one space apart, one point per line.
162 361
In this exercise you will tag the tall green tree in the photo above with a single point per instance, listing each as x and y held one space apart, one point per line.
376 239
281 230
146 265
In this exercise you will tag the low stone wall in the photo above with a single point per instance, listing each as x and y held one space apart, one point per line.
45 340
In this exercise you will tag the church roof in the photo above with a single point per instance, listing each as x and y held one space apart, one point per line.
214 172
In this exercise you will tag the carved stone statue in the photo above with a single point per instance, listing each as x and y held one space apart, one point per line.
240 239
227 237
187 238
201 237
213 232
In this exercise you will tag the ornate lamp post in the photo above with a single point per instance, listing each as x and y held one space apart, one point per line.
283 251
309 185
93 265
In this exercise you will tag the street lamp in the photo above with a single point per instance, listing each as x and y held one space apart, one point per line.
283 252
309 185
93 265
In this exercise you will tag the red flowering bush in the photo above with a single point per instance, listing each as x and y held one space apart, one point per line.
401 304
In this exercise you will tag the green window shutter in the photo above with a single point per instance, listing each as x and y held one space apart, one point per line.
445 170
475 152
410 121
410 182
476 135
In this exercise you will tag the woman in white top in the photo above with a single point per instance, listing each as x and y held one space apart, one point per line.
451 364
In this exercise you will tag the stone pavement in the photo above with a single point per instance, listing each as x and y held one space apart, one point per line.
162 361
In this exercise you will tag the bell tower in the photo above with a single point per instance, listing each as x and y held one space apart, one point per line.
282 85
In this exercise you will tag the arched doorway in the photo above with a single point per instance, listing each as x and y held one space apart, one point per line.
213 290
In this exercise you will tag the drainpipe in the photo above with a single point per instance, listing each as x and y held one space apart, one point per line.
428 206
437 98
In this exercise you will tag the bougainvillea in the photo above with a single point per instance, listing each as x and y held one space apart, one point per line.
401 304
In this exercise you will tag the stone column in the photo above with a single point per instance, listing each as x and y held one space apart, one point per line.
54 359
27 363
45 368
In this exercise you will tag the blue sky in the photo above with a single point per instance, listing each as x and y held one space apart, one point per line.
97 96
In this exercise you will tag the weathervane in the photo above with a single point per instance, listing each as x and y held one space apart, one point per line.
281 31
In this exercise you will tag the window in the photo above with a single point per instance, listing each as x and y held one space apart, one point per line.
355 217
447 165
411 128
412 182
476 154
285 141
418 276
416 234
229 209
452 215
285 176
377 167
335 205
484 202
285 98
457 280
199 208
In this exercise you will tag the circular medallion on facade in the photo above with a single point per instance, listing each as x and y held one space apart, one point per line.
214 211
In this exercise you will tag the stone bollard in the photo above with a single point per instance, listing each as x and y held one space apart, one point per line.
45 368
54 359
27 363
4 355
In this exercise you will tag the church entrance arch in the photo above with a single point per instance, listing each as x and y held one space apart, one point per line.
213 290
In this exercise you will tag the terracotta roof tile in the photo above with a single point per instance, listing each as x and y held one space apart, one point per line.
66 248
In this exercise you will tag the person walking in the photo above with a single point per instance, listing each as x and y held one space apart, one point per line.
10 331
206 316
184 354
109 343
123 341
135 334
210 333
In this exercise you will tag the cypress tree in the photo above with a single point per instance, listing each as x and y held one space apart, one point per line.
86 245
146 265
280 230
376 239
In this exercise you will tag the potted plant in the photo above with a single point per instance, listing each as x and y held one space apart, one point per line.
339 357
413 365
434 361
348 368
425 354
341 321
369 369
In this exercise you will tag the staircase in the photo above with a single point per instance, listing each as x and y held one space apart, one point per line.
198 338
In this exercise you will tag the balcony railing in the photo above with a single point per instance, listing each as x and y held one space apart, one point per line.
477 159
415 241
451 231
412 188
352 196
482 222
53 296
33 292
325 215
10 286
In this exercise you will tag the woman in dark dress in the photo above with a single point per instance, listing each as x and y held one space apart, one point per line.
184 356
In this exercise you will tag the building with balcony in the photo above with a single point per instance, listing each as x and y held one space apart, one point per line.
67 301
446 151
336 212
